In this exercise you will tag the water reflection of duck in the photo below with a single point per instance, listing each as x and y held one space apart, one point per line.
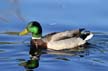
30 64
57 40
35 54
33 62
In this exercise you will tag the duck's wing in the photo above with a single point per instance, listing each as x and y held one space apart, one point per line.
66 35
56 36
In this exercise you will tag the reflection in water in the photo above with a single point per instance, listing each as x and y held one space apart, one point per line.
34 59
4 19
10 33
35 54
17 10
30 64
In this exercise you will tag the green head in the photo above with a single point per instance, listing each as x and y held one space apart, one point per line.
34 28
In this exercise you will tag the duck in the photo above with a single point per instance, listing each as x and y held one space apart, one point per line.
68 39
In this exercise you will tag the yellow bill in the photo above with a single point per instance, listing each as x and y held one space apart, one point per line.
24 32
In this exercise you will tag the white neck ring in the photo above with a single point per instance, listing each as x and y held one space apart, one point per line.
36 38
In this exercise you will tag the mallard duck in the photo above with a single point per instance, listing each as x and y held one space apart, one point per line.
56 40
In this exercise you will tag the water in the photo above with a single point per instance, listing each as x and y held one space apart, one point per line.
53 16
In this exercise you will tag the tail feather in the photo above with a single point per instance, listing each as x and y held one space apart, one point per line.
86 35
89 37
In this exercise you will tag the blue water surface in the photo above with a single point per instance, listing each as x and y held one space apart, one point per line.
54 15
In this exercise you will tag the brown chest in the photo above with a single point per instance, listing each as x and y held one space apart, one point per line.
38 43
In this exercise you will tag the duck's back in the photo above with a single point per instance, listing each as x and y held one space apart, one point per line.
56 36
